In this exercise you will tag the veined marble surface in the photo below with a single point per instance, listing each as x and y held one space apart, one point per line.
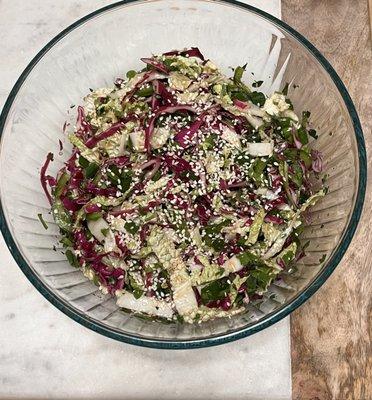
44 354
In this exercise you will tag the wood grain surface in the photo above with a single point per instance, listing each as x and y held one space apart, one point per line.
370 15
331 333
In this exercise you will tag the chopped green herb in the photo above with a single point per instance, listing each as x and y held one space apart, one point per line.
216 290
71 258
302 135
259 279
257 84
249 259
105 231
41 219
297 175
240 95
211 238
126 180
288 257
131 227
312 133
131 74
256 170
61 184
145 92
66 242
210 142
238 74
305 118
156 176
291 154
138 290
83 162
91 170
95 216
257 98
306 157
96 280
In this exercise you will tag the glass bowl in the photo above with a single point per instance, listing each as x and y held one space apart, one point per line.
98 48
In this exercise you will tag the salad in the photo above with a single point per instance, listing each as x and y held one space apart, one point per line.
186 190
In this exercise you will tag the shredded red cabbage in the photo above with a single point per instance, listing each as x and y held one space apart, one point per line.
186 135
92 188
92 142
165 95
192 52
44 179
92 208
70 205
202 192
119 161
156 64
83 127
123 248
162 110
177 164
240 104
274 219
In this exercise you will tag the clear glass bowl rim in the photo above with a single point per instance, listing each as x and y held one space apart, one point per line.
254 327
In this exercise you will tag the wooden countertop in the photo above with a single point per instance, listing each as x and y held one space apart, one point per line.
331 333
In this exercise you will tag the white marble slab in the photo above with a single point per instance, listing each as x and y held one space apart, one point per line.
44 354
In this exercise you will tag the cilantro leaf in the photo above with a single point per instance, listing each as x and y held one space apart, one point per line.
257 98
71 258
257 84
313 134
216 290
